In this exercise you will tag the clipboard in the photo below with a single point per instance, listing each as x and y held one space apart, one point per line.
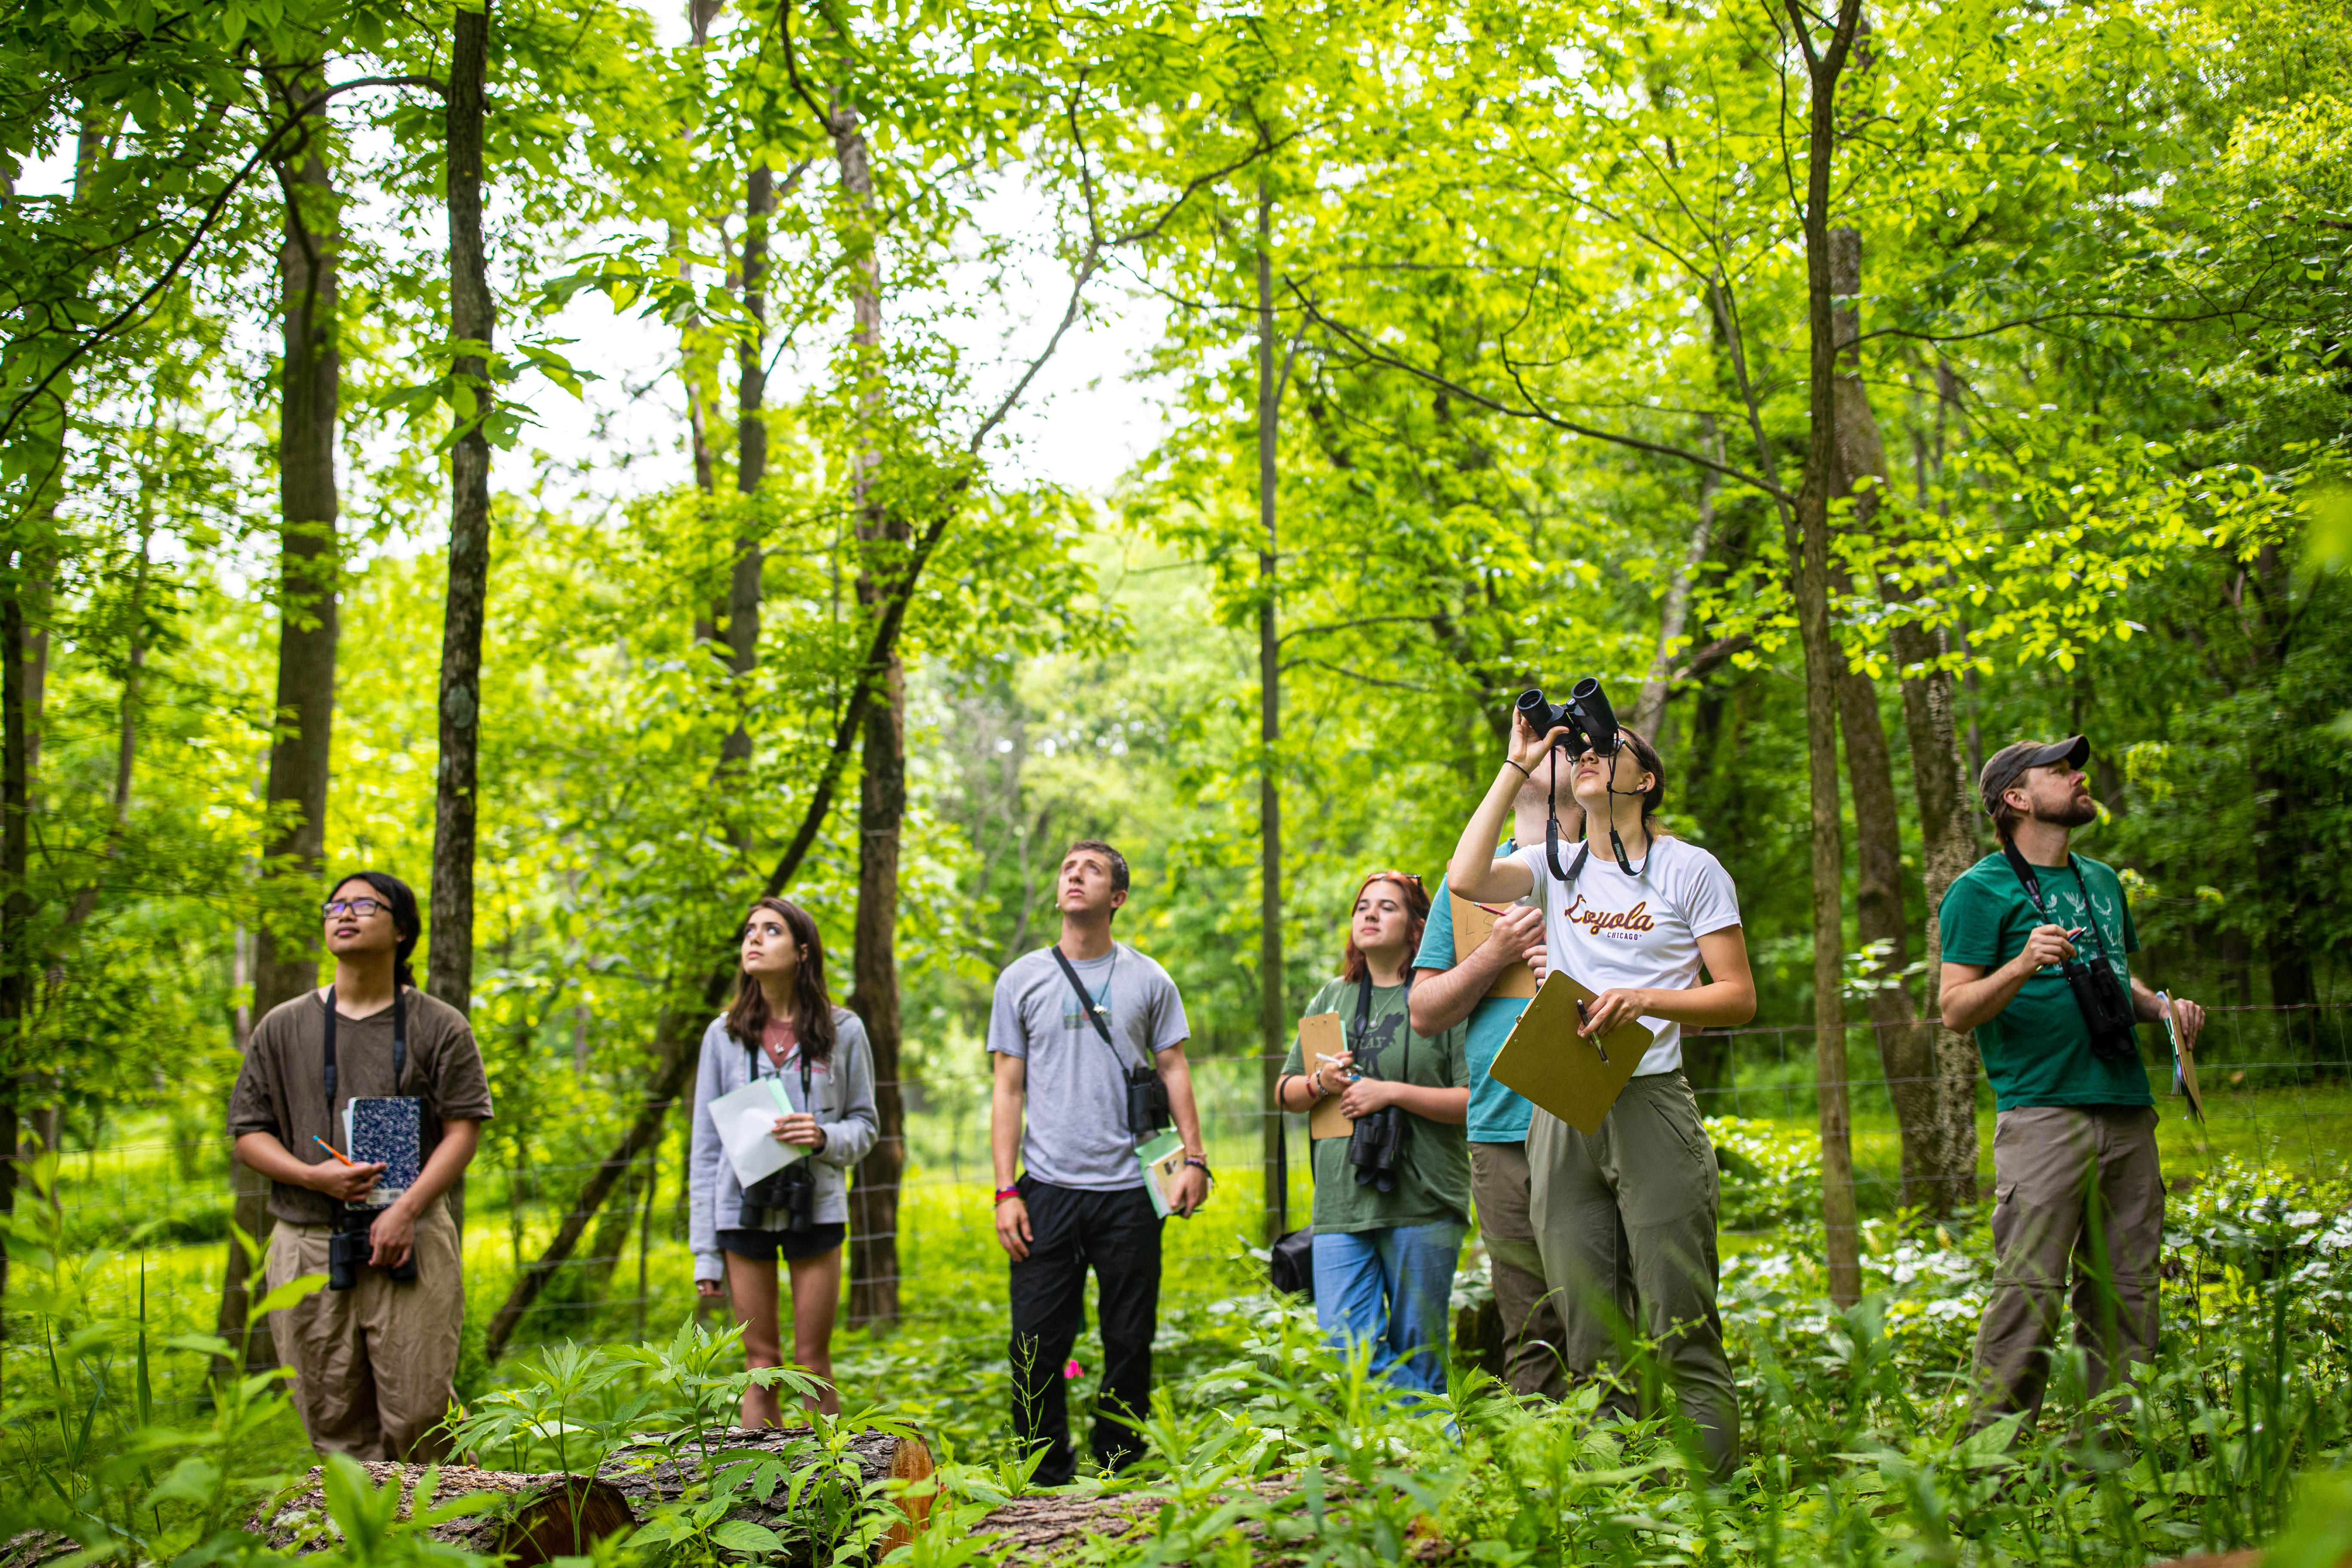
1319 1033
2184 1061
1472 926
1575 1078
746 1121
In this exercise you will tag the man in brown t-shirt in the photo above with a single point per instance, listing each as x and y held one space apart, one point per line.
373 1365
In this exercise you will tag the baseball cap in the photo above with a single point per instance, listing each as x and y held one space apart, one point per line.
2002 768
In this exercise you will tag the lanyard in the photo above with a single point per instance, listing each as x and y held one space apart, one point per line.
1093 1009
752 1054
2033 885
1364 1018
399 1049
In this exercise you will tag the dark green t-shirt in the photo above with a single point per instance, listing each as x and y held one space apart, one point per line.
2037 1050
1434 1183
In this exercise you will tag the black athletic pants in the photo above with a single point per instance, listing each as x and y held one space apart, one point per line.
1071 1229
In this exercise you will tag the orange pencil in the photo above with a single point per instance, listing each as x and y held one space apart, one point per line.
337 1153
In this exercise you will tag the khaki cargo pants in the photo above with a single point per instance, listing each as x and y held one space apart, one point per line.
2048 1160
1500 1186
1625 1220
373 1366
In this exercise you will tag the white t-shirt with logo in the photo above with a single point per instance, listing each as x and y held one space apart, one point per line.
1607 929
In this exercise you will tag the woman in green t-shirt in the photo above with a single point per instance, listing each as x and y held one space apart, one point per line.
1387 1232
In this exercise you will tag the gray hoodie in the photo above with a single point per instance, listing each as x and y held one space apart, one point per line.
843 1092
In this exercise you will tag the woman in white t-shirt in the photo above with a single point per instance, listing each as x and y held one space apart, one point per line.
1625 1219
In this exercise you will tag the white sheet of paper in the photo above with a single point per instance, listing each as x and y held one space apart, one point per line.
746 1121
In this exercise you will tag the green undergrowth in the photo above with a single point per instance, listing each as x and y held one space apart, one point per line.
1854 1450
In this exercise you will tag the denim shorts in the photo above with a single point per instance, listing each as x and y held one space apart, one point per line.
791 1246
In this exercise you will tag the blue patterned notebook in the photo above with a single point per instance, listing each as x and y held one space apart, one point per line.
387 1130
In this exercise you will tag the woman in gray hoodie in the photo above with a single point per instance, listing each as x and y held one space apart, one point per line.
784 1025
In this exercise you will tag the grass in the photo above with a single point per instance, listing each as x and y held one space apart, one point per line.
1853 1418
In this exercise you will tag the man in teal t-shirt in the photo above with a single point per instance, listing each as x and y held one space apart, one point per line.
2072 1120
1499 1181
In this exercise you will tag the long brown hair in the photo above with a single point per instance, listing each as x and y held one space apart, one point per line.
747 1016
1416 904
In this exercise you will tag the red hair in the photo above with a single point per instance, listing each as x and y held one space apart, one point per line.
1416 904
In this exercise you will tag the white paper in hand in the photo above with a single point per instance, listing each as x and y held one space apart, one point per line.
746 1121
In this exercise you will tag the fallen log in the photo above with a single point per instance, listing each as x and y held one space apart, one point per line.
658 1471
543 1517
547 1515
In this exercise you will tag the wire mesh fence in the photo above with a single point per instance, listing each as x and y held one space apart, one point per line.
2277 1084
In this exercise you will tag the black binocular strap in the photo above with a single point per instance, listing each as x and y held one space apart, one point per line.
1364 1017
399 1049
1094 1010
1584 853
2033 885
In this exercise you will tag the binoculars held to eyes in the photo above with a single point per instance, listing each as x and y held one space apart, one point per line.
1591 723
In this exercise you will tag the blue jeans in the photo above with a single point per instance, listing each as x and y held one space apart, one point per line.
1390 1287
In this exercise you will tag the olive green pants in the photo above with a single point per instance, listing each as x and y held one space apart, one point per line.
373 1366
2048 1164
1500 1186
1626 1223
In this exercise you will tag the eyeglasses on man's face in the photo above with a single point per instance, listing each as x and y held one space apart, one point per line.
361 908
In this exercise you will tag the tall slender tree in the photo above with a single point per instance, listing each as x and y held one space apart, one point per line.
1272 1016
449 968
1808 558
309 563
882 533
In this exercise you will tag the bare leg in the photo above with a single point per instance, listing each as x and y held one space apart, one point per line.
816 1301
752 1284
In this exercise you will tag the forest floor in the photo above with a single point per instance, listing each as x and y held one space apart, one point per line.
943 1365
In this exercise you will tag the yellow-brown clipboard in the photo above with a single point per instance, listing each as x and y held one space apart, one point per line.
1319 1034
1472 926
1575 1078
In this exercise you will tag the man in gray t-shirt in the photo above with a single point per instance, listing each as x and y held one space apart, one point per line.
1082 1201
1077 1088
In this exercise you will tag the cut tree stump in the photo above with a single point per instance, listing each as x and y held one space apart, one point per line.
554 1515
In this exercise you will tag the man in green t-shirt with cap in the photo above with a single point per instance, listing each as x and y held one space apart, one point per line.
2074 1139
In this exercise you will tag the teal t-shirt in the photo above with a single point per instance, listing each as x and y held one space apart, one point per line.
1433 1184
2037 1050
1498 1114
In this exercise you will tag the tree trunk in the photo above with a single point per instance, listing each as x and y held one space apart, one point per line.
286 962
1905 1045
1948 848
1650 708
1807 547
1273 1019
750 464
16 859
450 962
882 784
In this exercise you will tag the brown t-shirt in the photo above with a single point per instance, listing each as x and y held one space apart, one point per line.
282 1088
